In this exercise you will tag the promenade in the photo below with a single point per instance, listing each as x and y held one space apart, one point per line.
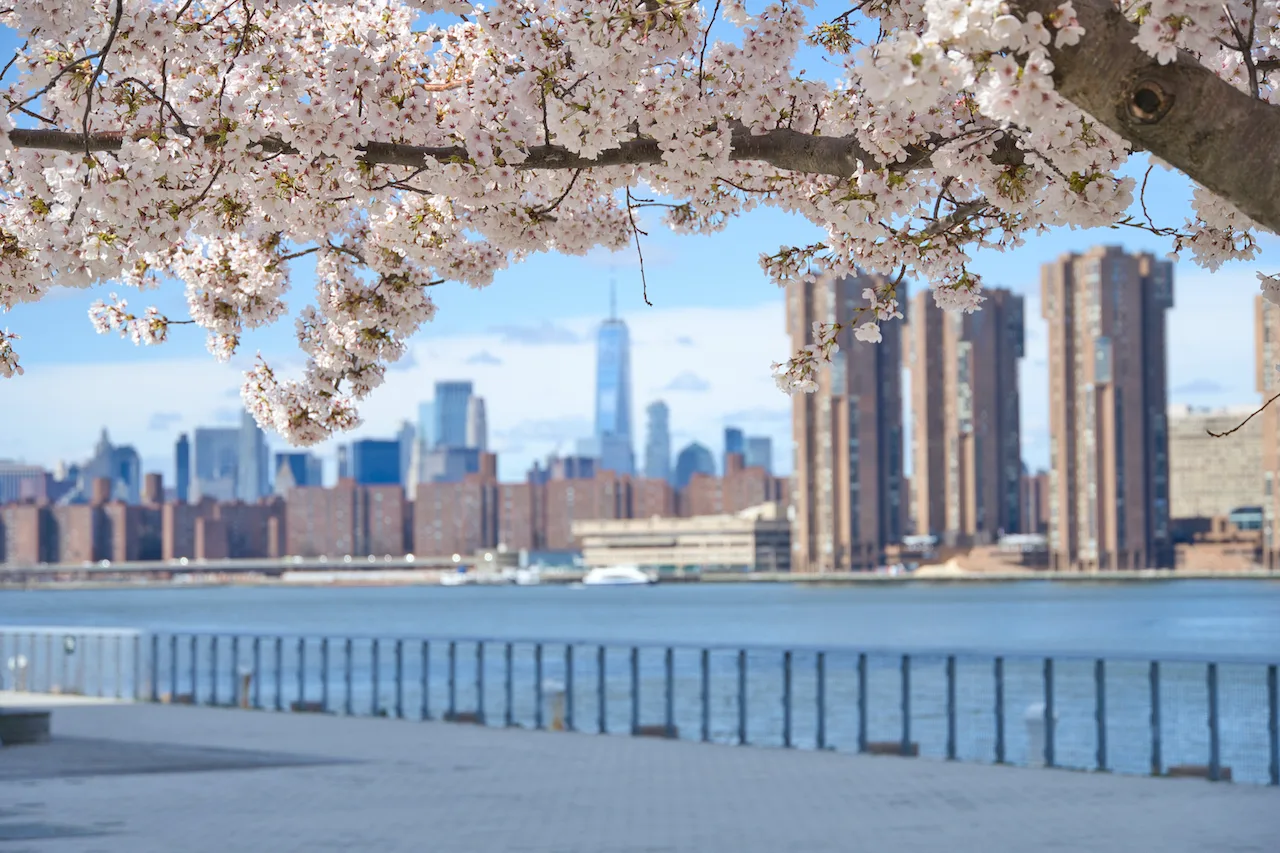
123 777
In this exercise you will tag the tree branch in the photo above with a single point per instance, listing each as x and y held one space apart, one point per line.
1181 112
837 156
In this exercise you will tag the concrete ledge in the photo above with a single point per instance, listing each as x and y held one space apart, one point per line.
24 725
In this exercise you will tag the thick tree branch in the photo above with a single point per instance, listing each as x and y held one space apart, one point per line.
784 149
1182 113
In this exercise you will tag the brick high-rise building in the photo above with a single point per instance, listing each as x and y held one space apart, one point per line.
847 485
1267 349
1109 447
966 443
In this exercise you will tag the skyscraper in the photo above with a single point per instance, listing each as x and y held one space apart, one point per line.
733 443
966 440
477 425
759 453
451 413
848 490
344 462
408 437
1109 483
296 469
375 462
182 467
427 424
693 459
613 397
217 452
252 474
657 446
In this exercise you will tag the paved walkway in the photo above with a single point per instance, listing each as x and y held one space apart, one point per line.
142 778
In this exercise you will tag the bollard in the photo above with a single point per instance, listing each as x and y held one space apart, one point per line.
1034 718
246 679
554 692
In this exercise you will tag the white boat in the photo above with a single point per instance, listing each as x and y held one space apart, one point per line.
455 579
617 576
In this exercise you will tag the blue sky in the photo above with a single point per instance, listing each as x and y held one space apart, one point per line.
705 347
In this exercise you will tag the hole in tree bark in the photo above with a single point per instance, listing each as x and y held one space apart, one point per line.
1148 102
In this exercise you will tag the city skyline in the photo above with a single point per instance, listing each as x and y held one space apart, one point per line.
525 426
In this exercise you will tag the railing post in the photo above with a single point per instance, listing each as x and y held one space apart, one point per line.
1157 762
155 667
236 699
742 697
400 679
602 722
173 666
324 674
951 707
194 664
999 709
302 671
538 720
213 670
568 688
786 699
375 676
137 666
453 681
820 675
635 690
1048 713
1273 724
862 702
348 700
705 667
1100 710
509 717
480 682
257 672
424 675
905 748
1215 755
119 693
279 673
670 691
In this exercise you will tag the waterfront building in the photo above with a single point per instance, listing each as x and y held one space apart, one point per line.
1109 488
1212 477
755 539
966 437
848 480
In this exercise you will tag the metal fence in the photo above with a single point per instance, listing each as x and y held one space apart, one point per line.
1191 716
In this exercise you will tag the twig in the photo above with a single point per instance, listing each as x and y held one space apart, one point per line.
635 232
93 81
544 211
706 38
1258 411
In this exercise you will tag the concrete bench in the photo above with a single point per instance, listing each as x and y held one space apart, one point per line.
24 725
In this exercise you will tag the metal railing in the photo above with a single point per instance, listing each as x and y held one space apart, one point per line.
1212 717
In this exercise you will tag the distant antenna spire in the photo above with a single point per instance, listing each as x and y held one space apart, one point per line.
613 295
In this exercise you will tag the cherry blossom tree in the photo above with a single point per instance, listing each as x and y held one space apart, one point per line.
214 142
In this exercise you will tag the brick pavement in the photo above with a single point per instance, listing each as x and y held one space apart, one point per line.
199 780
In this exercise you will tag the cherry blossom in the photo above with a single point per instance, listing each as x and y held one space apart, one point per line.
401 146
